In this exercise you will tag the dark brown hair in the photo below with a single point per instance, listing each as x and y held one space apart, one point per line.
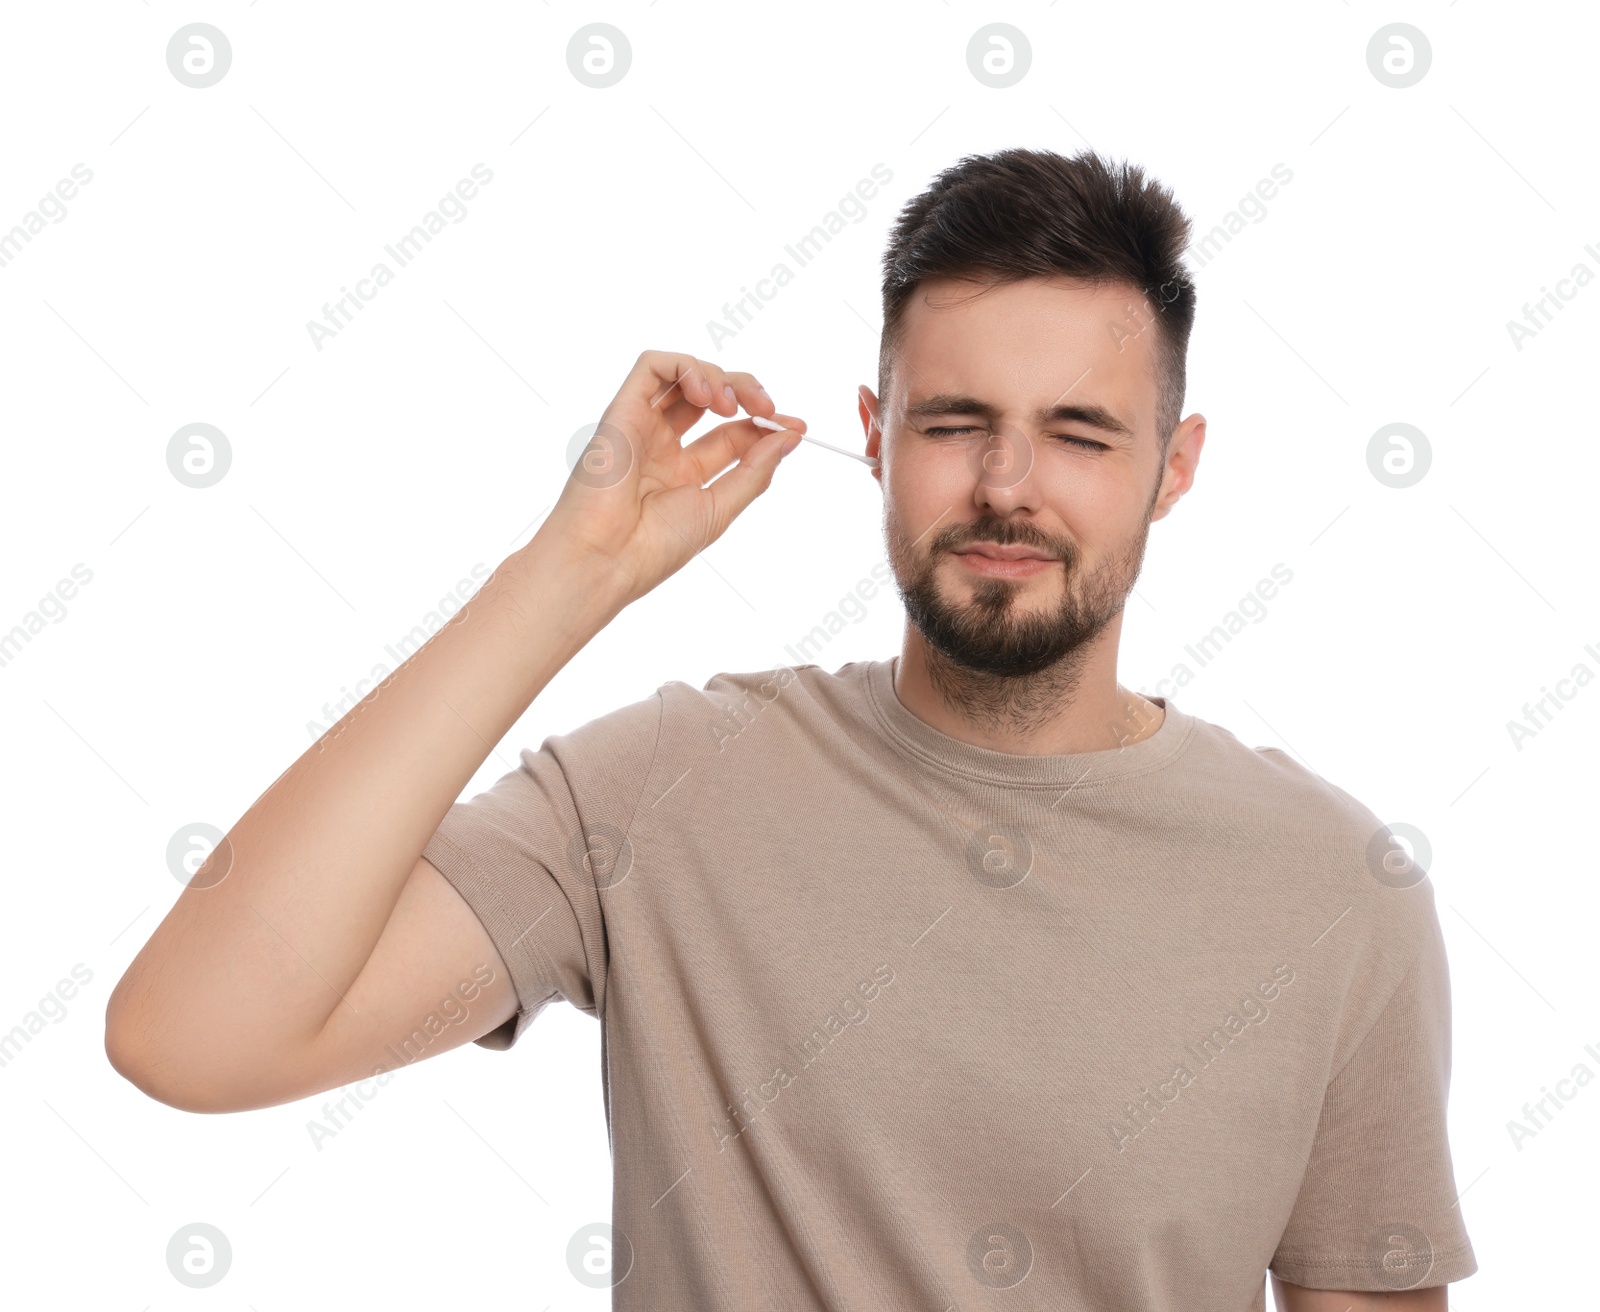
1019 214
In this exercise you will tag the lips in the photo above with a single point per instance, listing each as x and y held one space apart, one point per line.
994 551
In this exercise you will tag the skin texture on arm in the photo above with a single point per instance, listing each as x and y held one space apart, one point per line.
1295 1298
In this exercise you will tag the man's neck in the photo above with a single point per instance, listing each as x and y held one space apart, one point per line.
1074 706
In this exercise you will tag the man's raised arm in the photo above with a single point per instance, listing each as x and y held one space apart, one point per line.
314 932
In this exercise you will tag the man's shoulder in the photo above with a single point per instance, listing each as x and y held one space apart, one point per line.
1264 778
1321 837
730 702
731 691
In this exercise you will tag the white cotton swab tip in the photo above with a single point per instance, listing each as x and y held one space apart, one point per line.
759 422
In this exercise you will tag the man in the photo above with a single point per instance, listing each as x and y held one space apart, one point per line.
962 979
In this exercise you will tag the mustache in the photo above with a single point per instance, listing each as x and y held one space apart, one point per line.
1002 535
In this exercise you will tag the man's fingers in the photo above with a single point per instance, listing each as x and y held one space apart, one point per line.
703 384
714 451
665 378
683 387
751 395
681 414
732 494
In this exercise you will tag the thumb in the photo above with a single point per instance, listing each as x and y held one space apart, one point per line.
736 489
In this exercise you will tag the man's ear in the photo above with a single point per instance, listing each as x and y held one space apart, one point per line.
867 404
1177 473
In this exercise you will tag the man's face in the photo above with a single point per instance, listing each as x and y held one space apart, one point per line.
1021 417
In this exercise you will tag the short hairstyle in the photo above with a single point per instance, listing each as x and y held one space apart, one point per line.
1019 214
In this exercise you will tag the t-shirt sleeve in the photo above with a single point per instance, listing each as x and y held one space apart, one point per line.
532 855
1378 1208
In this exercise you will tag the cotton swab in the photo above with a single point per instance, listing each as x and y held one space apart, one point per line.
759 422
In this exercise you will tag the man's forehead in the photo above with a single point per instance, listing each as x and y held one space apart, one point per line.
1033 352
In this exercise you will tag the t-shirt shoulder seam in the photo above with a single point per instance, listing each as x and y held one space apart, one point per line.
1406 974
649 769
627 832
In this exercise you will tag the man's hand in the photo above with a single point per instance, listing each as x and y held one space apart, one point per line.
1295 1298
637 499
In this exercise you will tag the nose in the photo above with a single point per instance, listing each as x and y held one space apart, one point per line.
1002 472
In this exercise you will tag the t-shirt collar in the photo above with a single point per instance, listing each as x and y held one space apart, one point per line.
954 755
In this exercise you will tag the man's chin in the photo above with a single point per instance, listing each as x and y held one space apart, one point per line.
999 664
1014 599
990 648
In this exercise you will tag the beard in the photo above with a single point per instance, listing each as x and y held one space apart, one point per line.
994 656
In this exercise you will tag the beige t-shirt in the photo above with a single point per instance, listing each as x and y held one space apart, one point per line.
893 1021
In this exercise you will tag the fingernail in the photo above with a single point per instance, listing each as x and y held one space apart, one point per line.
764 392
789 444
728 393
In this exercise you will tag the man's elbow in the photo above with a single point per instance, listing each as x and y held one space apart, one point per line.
134 1056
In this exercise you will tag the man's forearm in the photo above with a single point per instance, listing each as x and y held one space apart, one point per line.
257 952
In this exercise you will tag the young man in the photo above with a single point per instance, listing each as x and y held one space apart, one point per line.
965 978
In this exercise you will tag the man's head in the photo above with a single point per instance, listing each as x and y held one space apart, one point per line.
1031 375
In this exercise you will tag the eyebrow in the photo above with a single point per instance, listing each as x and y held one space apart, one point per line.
1096 416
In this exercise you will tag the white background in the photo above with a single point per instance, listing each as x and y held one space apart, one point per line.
429 436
